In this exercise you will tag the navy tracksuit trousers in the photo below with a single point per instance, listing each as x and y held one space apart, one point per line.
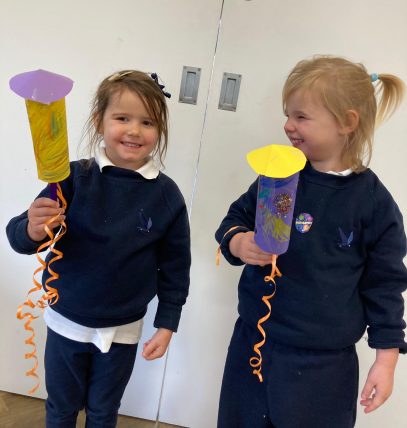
78 376
301 388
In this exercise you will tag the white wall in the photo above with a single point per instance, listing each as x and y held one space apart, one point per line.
260 39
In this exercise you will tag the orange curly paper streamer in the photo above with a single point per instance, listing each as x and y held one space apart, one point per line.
51 296
218 250
256 362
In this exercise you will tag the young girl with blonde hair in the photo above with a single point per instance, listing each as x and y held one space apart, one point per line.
342 273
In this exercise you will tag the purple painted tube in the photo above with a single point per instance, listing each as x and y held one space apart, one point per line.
274 212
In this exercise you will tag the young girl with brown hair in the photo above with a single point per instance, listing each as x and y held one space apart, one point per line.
127 241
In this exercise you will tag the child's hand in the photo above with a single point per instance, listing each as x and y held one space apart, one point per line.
40 211
380 379
243 246
157 345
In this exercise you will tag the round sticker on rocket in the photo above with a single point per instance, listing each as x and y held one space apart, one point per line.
303 222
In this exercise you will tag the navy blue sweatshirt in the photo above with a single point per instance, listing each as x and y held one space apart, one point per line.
127 240
343 275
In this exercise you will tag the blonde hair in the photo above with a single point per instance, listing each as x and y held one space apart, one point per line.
151 96
343 86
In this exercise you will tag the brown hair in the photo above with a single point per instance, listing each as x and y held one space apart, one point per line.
343 86
150 94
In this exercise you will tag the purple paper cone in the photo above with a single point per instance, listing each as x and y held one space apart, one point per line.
41 86
274 212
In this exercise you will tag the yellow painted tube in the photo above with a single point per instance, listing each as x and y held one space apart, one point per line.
50 139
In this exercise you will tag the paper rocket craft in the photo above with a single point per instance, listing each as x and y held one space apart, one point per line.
45 93
278 168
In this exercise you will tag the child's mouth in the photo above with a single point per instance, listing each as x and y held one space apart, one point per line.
131 145
296 141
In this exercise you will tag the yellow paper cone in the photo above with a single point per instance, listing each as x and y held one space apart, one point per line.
276 161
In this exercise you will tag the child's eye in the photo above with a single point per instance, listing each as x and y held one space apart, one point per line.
122 118
148 123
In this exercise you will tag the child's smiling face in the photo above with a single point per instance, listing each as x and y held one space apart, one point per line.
129 132
314 130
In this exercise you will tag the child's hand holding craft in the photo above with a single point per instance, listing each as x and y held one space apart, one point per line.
40 211
243 246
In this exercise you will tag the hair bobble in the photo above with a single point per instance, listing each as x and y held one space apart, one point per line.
155 78
374 77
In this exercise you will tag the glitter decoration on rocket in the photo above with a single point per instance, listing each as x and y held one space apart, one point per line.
44 93
278 168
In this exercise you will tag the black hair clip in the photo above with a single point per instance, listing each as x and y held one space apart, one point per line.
155 78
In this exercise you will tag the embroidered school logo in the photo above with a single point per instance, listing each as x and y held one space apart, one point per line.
145 224
345 240
303 222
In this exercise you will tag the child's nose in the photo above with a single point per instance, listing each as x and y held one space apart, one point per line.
289 125
134 129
